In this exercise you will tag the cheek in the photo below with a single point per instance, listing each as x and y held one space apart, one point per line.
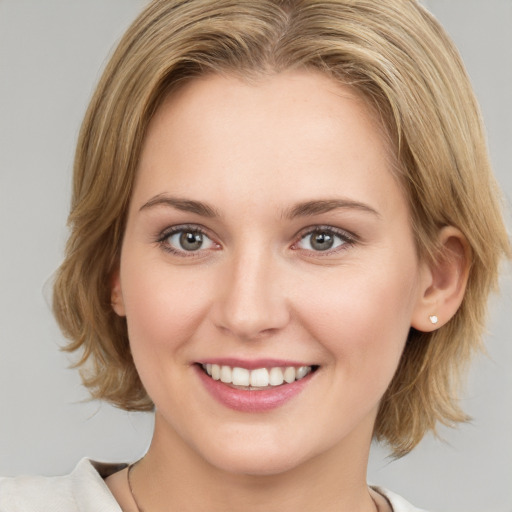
163 308
362 317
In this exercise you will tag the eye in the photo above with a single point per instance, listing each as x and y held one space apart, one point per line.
323 239
188 240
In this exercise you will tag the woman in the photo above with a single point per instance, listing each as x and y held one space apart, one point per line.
284 232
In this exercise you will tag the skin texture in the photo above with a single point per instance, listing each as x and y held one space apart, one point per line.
257 288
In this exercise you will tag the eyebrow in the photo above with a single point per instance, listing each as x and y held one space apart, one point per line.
304 209
310 208
186 205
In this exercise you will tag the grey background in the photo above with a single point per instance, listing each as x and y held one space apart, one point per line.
50 55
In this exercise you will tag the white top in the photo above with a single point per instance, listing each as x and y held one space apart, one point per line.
84 490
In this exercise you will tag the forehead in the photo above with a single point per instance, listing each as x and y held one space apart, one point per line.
219 133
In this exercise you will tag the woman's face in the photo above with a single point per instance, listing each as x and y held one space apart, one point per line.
266 233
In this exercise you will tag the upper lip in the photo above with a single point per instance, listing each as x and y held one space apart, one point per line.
252 364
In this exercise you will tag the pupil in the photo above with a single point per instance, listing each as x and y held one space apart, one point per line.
191 241
322 241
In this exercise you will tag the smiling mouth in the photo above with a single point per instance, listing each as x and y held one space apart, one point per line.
257 379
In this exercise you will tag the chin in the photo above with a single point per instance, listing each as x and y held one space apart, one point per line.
255 459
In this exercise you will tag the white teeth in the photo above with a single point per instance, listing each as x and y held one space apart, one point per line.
289 374
258 378
276 376
301 372
240 377
226 374
215 372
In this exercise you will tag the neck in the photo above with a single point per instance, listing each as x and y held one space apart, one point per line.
173 476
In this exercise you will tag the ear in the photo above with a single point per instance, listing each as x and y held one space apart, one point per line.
116 293
443 282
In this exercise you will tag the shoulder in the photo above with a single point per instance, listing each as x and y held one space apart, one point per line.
83 490
398 504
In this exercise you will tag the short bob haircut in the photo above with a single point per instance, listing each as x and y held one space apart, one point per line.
396 55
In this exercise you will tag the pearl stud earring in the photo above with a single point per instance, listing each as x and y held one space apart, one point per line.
434 319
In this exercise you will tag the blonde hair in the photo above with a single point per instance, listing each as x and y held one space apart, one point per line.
399 58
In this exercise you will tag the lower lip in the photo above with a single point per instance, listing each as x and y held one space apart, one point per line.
252 400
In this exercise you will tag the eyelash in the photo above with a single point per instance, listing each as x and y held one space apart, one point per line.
348 239
162 239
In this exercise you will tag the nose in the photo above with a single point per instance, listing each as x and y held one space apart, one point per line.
252 301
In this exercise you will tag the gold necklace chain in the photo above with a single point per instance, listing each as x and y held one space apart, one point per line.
128 475
140 509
